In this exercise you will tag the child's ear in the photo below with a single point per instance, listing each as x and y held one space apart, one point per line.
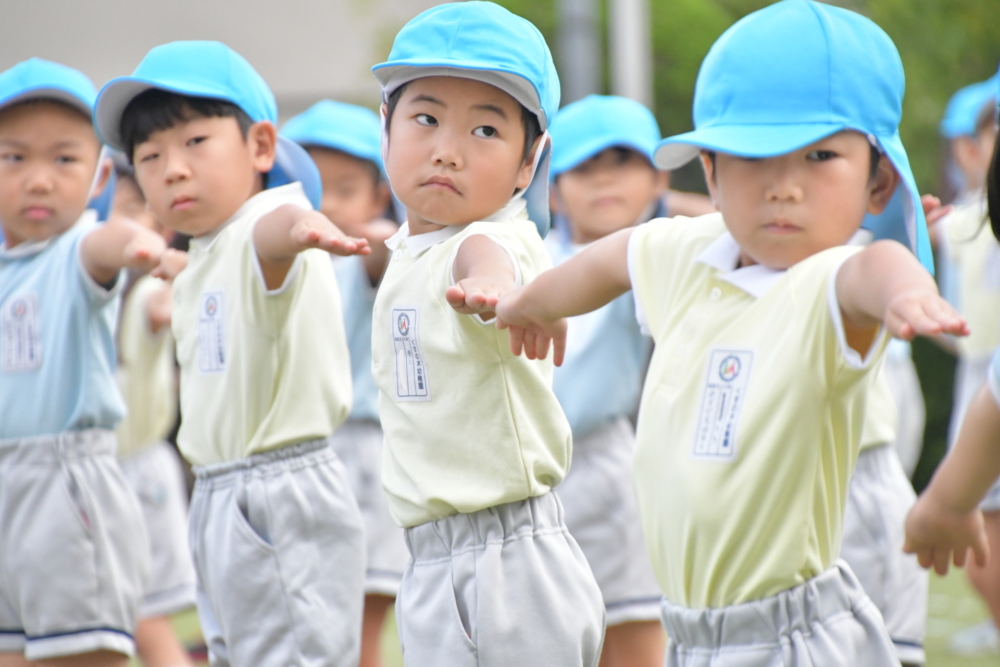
103 176
524 176
662 181
708 165
883 186
262 139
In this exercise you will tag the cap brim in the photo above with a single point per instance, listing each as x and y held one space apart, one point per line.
48 93
292 163
117 94
756 141
572 156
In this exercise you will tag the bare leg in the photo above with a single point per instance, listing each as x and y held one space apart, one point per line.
636 644
93 659
987 579
13 660
157 644
376 607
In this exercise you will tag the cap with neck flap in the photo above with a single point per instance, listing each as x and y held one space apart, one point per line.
211 70
791 74
484 42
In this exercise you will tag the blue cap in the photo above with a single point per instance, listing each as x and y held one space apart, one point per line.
485 42
791 74
583 129
35 79
966 106
343 127
211 70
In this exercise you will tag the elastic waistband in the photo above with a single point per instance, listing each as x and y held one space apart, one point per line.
287 457
460 532
765 622
47 448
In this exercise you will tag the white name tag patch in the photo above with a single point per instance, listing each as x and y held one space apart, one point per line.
411 373
722 401
211 334
22 334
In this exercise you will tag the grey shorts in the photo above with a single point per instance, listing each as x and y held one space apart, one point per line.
602 515
878 500
157 478
279 548
500 587
826 622
73 559
359 446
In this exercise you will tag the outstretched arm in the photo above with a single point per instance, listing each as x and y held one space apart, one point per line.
483 273
536 312
885 283
119 244
946 521
288 230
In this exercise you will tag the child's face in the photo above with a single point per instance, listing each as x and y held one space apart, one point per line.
352 193
608 192
455 151
48 156
784 209
196 174
973 154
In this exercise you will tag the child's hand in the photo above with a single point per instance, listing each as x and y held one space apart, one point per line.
314 230
144 251
159 308
922 312
939 535
171 263
533 336
475 296
933 210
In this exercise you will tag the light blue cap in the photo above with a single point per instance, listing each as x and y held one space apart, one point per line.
485 42
344 127
584 128
788 75
966 106
211 70
41 79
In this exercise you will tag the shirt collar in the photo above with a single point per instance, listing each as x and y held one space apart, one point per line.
723 255
30 248
421 243
283 194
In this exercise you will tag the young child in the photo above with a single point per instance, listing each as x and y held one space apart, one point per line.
475 440
146 378
768 331
604 181
276 536
73 562
345 143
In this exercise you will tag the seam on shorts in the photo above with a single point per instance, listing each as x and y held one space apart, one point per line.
544 532
278 564
4 631
907 642
53 635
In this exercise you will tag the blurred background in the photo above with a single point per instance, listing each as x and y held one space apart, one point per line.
649 50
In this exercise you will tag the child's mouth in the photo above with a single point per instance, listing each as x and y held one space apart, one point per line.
38 213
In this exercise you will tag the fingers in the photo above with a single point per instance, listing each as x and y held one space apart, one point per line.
559 350
923 314
516 340
455 296
981 549
941 561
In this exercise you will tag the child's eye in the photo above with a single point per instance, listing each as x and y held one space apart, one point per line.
11 157
66 159
820 156
427 119
194 141
149 157
485 132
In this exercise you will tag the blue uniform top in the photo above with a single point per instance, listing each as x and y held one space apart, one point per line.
58 355
606 355
358 299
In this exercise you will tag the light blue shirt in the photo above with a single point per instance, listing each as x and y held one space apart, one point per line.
606 355
994 376
358 299
57 357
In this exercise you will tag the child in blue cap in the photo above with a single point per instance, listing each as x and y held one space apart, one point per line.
276 536
475 440
769 331
74 558
345 142
603 181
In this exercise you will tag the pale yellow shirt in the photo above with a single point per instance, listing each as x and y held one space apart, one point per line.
467 424
259 369
145 373
972 249
881 415
751 414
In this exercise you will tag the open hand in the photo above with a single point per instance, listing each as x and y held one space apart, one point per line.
474 296
314 230
933 210
171 263
922 312
940 536
532 336
144 251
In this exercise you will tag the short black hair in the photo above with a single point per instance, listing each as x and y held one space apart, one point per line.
993 191
874 155
154 110
529 121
